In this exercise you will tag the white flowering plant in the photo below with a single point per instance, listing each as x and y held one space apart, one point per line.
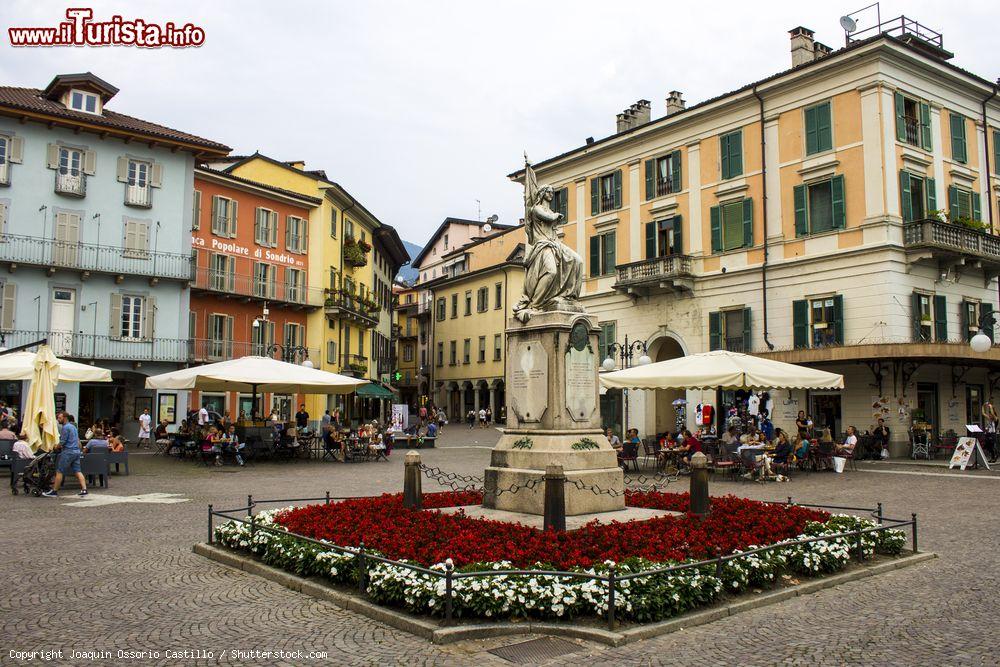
650 597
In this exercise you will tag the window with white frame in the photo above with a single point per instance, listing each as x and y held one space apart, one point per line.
261 337
137 184
133 312
265 227
295 234
224 216
220 336
222 272
136 239
263 280
81 100
5 145
295 281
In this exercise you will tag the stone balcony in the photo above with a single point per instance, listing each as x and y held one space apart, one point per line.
952 246
671 273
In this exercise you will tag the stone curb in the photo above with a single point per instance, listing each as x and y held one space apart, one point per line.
439 634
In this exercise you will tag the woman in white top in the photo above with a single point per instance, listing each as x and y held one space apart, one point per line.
850 442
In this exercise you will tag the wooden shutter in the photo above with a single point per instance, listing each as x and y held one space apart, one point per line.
976 207
812 140
610 241
940 318
801 211
121 172
724 155
984 309
736 154
149 317
675 172
925 126
954 210
595 196
838 319
233 208
304 234
824 127
216 204
958 147
196 209
800 323
900 117
617 178
746 331
748 223
915 316
963 321
4 211
651 228
257 228
715 331
130 241
89 162
9 305
156 175
716 228
52 156
116 316
906 205
595 256
650 180
229 336
678 246
839 205
930 195
16 149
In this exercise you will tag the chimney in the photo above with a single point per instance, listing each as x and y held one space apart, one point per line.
802 45
297 164
675 102
640 113
820 50
621 123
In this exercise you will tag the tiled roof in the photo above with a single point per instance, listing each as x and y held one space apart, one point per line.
33 100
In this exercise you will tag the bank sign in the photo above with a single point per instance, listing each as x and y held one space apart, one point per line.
237 250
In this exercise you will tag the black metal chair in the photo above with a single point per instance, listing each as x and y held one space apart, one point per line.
95 465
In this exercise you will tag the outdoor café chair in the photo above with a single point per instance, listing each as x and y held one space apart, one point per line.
96 465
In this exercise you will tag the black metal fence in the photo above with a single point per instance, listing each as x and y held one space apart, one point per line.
363 557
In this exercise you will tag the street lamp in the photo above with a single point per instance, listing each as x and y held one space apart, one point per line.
982 342
625 352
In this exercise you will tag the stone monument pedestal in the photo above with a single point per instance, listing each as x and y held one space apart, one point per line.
552 418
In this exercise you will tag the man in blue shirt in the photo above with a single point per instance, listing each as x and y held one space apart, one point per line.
69 457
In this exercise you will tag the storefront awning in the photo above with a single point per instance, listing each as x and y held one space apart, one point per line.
374 390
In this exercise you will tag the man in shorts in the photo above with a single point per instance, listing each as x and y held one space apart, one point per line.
69 457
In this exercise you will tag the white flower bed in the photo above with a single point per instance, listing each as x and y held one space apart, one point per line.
643 599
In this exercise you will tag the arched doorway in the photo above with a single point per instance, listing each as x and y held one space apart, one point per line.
499 402
468 399
661 415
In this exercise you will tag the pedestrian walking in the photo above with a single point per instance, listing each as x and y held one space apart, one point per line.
470 417
145 421
482 417
69 457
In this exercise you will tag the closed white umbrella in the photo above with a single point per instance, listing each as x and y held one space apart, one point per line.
721 369
21 366
40 408
256 374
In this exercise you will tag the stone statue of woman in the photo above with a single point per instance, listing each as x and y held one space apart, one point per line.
553 272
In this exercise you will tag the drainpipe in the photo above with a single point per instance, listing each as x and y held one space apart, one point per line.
340 329
763 180
986 162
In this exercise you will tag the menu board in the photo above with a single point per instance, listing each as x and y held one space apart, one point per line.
965 451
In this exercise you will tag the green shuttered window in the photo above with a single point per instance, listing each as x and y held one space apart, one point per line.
732 225
959 148
820 207
819 129
913 121
606 193
664 237
663 175
731 154
602 254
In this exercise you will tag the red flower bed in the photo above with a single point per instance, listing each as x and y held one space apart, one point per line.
382 523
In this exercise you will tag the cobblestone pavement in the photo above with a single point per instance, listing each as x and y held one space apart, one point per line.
122 577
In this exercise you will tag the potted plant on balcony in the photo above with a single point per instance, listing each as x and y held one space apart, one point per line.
364 245
353 254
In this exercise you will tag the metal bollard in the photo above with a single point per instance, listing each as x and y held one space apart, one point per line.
718 563
699 484
555 498
914 517
413 497
449 569
249 504
211 526
880 515
362 569
611 597
327 497
859 547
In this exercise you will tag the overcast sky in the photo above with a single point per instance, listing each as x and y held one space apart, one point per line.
421 108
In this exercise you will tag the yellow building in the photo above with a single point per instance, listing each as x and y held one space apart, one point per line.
471 304
407 335
353 258
839 213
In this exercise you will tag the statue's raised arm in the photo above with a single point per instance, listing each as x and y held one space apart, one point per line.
553 272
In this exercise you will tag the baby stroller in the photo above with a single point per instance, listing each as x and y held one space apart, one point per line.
38 475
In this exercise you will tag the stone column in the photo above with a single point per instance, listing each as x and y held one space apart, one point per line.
493 403
412 492
699 484
475 399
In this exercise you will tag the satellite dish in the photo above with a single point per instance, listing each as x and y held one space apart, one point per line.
848 24
487 227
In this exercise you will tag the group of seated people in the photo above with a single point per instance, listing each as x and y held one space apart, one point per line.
21 448
680 446
220 443
369 438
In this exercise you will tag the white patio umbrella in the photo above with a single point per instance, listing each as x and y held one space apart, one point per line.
21 366
721 369
253 374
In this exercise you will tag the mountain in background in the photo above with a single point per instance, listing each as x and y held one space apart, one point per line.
406 273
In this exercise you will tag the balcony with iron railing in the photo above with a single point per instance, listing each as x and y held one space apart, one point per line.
234 285
74 185
208 351
670 273
138 196
354 364
350 307
607 203
664 186
88 347
941 240
94 258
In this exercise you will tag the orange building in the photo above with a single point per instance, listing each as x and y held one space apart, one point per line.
249 294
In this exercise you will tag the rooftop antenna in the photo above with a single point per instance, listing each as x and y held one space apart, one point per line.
850 24
479 211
